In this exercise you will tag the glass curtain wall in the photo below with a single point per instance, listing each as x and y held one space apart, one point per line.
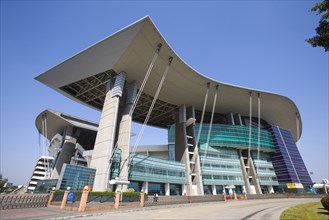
153 169
220 166
287 161
230 136
156 188
264 169
75 177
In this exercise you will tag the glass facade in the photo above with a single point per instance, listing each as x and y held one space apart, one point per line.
175 189
145 168
171 151
221 166
75 177
264 169
219 190
115 164
238 190
45 186
156 188
207 190
137 186
287 161
230 136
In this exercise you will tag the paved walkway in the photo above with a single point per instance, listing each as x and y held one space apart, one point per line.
34 213
244 209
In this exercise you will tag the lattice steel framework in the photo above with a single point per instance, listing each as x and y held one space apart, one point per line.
91 91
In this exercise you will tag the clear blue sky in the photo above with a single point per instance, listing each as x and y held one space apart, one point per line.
248 43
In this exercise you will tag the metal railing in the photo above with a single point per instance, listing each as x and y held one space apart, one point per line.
23 201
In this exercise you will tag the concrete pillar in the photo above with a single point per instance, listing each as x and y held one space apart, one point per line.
180 134
145 187
167 189
142 200
88 155
253 173
234 196
181 147
51 197
184 193
270 189
190 131
125 132
105 139
237 119
64 200
67 150
117 200
213 187
245 174
83 201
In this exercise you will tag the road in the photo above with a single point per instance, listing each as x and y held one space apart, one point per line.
243 210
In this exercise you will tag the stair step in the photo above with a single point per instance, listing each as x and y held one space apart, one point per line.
190 137
191 145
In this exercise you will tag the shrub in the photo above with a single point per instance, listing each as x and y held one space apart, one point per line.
131 190
325 202
131 194
61 192
106 193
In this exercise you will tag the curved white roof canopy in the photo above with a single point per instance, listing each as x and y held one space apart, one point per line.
83 76
57 121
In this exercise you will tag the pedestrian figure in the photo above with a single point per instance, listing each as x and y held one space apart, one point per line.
155 197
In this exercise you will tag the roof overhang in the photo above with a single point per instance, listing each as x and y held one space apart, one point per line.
55 122
83 78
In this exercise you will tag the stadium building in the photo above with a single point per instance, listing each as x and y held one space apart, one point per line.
220 137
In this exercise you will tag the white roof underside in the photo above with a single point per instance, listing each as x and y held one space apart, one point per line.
131 50
57 121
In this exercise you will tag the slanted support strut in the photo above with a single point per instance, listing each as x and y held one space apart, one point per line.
210 127
202 116
150 110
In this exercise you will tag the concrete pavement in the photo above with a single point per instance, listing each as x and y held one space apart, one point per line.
33 213
244 209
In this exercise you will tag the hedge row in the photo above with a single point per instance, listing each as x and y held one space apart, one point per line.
78 192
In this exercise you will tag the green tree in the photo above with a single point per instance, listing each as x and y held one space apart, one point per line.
322 31
10 189
5 189
2 183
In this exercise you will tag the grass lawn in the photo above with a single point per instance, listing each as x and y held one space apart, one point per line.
312 210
